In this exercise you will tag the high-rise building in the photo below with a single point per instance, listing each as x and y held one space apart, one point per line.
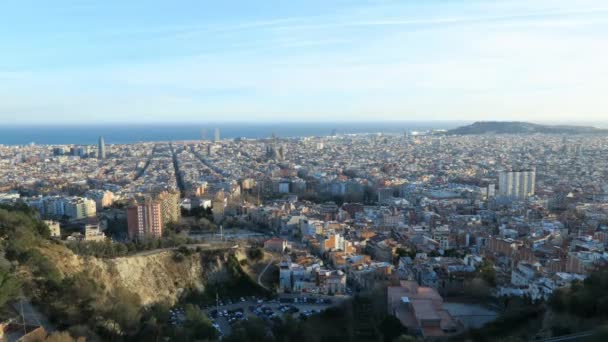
217 135
170 210
77 208
144 219
517 183
204 135
102 198
101 149
385 195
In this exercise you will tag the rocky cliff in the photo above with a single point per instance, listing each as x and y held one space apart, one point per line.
155 277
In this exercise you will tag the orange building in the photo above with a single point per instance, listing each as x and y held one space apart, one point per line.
145 220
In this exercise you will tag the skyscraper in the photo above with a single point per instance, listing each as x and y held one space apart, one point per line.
204 135
217 135
517 183
144 219
101 149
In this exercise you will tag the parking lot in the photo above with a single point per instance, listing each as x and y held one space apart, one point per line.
229 313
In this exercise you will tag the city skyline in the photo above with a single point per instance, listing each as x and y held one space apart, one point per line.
94 63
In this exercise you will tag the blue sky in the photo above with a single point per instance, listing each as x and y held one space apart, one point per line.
196 61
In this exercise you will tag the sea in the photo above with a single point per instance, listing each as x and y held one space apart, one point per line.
132 133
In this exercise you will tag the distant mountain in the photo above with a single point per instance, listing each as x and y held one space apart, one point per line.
518 127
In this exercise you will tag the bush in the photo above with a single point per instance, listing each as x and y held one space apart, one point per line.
255 253
9 286
508 323
391 328
584 299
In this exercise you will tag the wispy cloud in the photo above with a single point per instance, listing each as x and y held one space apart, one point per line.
434 21
410 58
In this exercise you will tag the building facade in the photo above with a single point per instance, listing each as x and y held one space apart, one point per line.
169 206
518 184
145 220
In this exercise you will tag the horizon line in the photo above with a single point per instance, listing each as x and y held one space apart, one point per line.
287 122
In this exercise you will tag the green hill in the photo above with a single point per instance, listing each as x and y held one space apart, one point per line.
518 127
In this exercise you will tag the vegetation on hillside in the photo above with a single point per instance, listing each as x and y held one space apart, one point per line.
78 303
581 307
9 286
113 249
237 285
255 253
519 322
587 299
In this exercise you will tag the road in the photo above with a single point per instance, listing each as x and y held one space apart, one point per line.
178 175
230 234
143 169
31 315
262 274
203 246
572 337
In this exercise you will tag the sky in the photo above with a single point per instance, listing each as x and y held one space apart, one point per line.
153 61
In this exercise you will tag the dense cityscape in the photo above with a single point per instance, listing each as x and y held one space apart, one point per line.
441 228
303 171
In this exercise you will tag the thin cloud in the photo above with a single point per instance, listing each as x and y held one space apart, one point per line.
308 43
445 21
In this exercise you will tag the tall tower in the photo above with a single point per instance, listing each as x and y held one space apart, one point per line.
217 135
204 135
101 149
517 183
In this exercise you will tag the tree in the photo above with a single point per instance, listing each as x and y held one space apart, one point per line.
391 328
584 299
600 334
558 300
9 286
154 323
406 338
123 309
255 253
62 336
289 329
251 330
488 273
197 326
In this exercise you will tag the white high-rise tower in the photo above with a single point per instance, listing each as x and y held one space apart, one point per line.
517 183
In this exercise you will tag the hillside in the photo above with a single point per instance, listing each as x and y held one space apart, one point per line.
122 298
518 127
154 277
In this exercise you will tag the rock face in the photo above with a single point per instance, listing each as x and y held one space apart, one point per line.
517 127
154 277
